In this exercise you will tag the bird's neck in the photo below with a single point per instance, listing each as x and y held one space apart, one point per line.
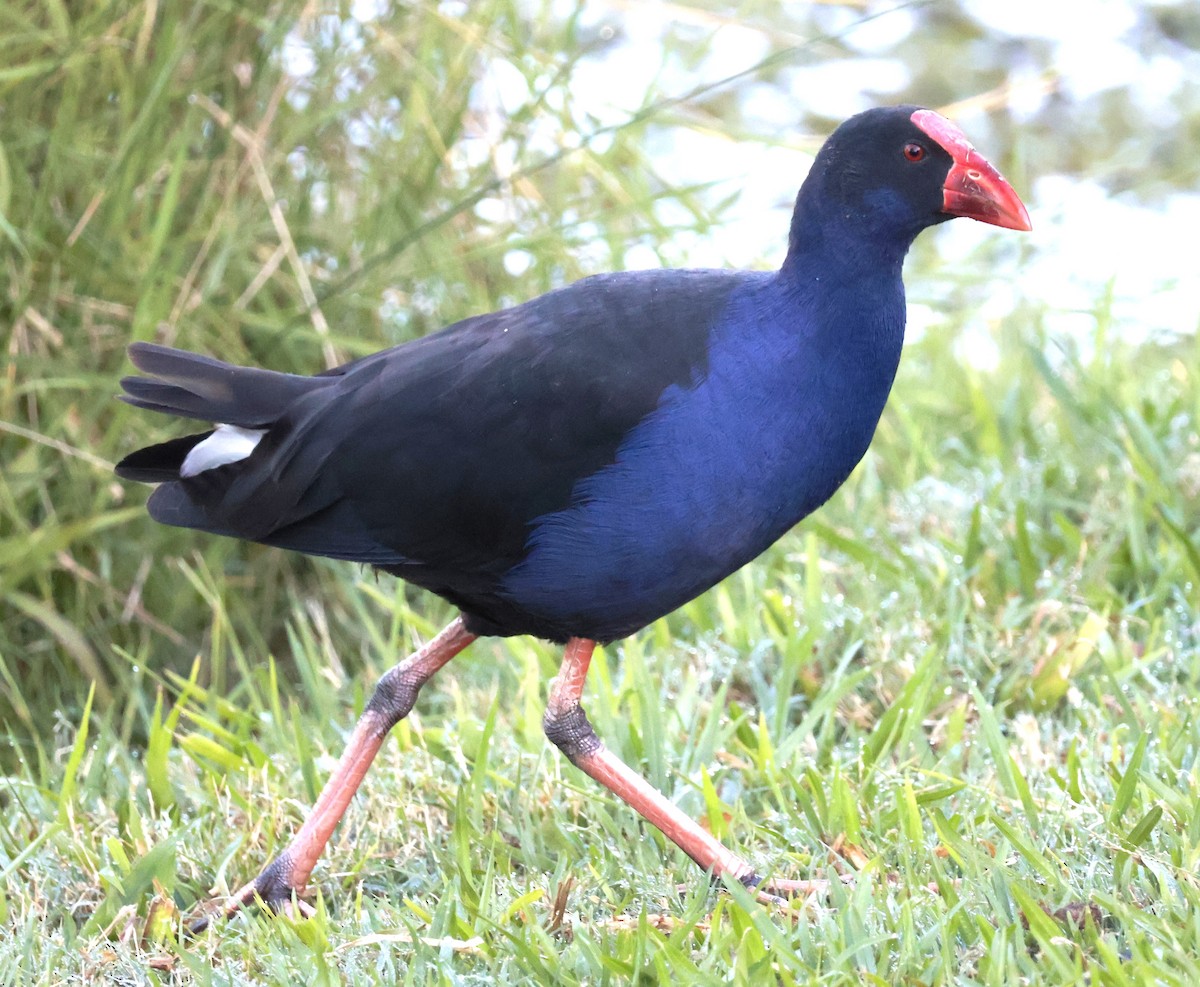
846 278
844 247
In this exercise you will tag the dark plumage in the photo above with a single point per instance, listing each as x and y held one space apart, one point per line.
579 465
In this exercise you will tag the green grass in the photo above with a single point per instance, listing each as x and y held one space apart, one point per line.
968 683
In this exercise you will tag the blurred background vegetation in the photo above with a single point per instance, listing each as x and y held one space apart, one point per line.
290 186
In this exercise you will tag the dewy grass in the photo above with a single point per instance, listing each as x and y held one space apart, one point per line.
967 684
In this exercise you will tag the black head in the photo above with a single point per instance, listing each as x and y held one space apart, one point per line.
889 173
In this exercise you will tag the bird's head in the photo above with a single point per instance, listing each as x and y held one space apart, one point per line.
891 172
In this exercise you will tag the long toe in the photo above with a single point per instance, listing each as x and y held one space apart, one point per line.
774 891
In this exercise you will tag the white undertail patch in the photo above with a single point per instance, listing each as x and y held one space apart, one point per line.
227 444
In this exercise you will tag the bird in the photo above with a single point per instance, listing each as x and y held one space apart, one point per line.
582 464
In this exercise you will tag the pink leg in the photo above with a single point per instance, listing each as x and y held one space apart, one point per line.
392 700
568 728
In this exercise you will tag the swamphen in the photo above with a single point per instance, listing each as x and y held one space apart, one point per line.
582 464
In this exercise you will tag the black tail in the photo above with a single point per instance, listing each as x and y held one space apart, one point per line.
192 386
160 463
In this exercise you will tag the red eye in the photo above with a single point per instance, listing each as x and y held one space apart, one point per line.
913 151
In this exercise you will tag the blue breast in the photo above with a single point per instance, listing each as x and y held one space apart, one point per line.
722 468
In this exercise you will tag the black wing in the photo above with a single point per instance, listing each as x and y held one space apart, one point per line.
432 458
